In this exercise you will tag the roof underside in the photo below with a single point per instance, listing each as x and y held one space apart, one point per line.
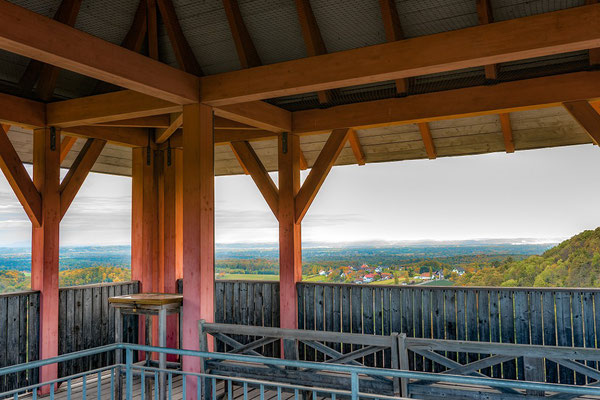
344 24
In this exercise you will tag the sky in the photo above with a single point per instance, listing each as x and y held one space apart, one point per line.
547 195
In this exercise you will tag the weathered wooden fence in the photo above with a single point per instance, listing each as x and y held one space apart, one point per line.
85 320
19 326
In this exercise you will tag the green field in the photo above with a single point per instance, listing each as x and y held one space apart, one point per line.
248 277
443 282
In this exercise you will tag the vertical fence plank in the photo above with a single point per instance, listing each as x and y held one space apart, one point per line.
461 328
450 318
367 315
418 324
564 331
356 304
346 315
12 339
577 320
62 331
495 334
3 340
522 318
378 316
588 326
483 316
427 324
33 323
549 315
328 311
438 321
22 376
471 321
337 314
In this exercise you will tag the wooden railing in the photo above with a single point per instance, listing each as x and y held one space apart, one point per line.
85 321
19 326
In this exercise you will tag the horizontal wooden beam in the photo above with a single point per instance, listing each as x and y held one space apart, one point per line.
534 36
259 174
21 112
225 136
586 116
163 121
34 36
259 114
101 108
527 94
78 172
320 170
130 137
19 180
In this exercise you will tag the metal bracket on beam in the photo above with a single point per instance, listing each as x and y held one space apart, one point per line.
52 138
284 142
169 152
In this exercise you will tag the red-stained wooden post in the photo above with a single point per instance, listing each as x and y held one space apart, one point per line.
45 243
144 221
198 229
290 248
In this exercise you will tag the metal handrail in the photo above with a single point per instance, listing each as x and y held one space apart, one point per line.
353 371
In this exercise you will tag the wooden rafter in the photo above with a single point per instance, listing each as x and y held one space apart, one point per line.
19 180
594 54
65 146
303 162
21 112
357 149
533 36
250 161
484 12
45 74
237 156
130 137
427 140
320 170
527 94
78 172
164 134
183 52
258 114
152 34
68 48
313 40
393 32
244 45
507 133
586 116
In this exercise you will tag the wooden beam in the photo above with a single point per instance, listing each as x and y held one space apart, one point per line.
45 245
303 162
198 230
258 114
484 12
259 174
152 29
21 112
313 40
333 147
163 135
107 107
225 136
80 169
393 32
153 121
357 149
586 116
68 48
183 52
237 156
521 95
246 51
594 54
130 137
19 180
507 132
66 144
539 35
66 14
290 240
427 140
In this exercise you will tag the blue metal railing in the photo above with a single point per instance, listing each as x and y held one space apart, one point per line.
143 378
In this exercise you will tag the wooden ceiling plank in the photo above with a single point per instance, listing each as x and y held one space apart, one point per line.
68 48
244 45
357 149
427 140
163 135
507 133
66 144
393 32
78 172
18 179
484 12
323 164
313 40
22 112
259 174
527 94
589 119
183 52
533 36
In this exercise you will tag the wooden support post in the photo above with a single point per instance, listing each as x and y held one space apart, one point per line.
45 243
198 230
290 248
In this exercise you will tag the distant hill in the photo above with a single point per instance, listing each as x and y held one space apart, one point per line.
572 263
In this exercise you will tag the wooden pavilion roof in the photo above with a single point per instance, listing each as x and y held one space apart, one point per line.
414 79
